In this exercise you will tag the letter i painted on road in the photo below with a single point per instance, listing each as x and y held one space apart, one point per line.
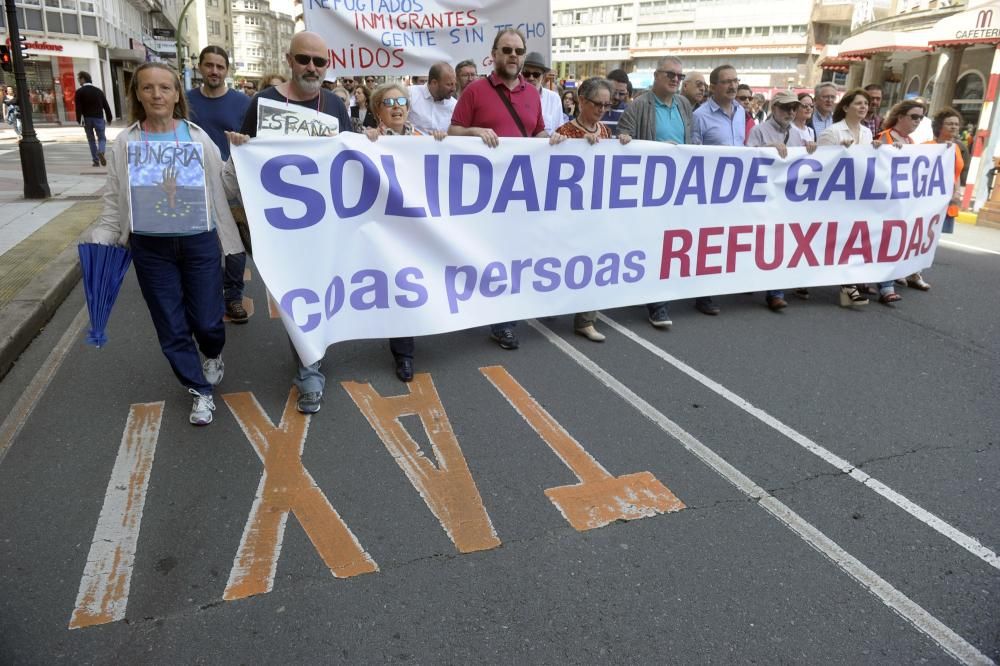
286 486
447 488
599 498
107 575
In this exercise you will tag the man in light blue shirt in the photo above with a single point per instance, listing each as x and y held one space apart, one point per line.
720 121
825 100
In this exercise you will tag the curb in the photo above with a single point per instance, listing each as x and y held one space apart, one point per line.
23 318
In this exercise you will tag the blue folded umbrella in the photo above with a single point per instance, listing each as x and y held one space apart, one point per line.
104 268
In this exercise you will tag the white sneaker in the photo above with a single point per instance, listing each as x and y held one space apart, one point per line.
213 368
201 408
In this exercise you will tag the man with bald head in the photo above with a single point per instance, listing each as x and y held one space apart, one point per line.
694 89
308 59
431 104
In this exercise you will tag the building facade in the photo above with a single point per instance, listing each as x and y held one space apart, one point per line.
107 38
207 22
773 44
262 37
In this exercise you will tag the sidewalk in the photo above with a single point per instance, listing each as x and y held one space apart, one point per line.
38 238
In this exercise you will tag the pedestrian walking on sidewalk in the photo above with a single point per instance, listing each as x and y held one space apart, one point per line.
217 110
178 270
91 108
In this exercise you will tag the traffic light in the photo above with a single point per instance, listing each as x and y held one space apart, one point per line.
5 61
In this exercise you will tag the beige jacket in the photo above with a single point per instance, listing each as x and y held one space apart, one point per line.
115 223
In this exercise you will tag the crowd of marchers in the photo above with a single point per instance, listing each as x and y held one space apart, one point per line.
192 283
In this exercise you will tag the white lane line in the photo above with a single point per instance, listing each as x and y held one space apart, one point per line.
26 404
969 543
898 602
967 247
107 576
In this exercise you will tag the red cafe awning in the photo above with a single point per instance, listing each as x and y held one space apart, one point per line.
979 25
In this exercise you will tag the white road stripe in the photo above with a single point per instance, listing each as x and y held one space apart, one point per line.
969 543
107 576
967 247
905 607
26 404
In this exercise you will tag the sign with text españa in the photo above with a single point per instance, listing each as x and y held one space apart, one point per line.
406 37
412 236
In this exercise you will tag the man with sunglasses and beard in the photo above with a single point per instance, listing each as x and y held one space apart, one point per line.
663 114
308 59
534 72
503 104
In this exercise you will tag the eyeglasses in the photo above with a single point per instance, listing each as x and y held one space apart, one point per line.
809 107
673 76
729 82
532 75
395 101
507 50
304 60
915 117
604 106
743 98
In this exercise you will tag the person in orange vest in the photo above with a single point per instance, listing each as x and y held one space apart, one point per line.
946 124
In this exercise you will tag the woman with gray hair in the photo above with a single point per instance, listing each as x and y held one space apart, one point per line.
595 99
390 103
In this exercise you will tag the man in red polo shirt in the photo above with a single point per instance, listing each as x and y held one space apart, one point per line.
502 105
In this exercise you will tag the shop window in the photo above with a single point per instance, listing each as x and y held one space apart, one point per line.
969 96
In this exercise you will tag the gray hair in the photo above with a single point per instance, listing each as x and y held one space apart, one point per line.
665 59
592 85
825 84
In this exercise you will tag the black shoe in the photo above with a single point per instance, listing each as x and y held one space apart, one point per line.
506 338
404 369
707 307
236 312
309 403
100 156
96 163
660 317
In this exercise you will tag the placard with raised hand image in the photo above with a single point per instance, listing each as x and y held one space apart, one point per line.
167 192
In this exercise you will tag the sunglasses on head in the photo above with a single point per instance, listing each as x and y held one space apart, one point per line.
395 101
304 60
507 50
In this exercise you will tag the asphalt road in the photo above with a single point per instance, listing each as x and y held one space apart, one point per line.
756 548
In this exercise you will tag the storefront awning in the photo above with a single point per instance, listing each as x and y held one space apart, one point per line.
870 42
979 25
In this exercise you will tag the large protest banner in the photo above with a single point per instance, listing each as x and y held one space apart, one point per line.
411 236
406 37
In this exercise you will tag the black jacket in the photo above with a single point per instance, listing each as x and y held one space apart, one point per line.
90 102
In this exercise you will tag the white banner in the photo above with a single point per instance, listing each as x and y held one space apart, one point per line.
406 37
412 236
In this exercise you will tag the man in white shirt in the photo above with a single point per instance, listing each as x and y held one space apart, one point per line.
534 71
431 104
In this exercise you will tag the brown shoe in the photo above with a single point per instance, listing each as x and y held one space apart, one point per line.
236 312
776 303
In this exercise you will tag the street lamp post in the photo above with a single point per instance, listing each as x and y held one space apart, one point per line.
36 182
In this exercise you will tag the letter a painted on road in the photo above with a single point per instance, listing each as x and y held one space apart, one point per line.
286 486
448 488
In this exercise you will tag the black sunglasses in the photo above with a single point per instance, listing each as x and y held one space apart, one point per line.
673 76
533 75
915 117
304 60
507 50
